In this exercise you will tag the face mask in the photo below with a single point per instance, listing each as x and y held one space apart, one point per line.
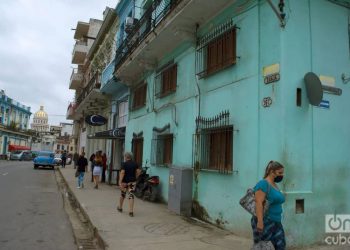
278 178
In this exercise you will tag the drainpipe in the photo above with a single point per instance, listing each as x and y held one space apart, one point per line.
197 83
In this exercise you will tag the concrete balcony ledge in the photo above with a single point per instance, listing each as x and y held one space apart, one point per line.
176 27
76 80
71 114
79 52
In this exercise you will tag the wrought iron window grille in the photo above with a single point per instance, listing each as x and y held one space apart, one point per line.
138 97
162 146
216 50
166 80
213 144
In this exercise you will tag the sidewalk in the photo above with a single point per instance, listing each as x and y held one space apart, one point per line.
153 227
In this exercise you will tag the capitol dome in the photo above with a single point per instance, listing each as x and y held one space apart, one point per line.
41 114
40 120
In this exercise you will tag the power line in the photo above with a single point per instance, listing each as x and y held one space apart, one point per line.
55 115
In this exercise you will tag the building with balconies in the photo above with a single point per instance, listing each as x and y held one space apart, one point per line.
95 91
14 122
221 87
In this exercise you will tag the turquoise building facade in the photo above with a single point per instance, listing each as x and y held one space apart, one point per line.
219 88
14 120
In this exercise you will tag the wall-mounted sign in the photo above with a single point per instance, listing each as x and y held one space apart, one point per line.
332 90
327 80
95 120
266 102
324 104
271 73
271 78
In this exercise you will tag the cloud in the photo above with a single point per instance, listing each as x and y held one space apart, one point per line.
36 46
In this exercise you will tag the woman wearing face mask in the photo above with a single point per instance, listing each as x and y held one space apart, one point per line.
268 227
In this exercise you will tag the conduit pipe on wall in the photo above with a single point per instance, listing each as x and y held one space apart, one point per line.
197 83
166 106
280 15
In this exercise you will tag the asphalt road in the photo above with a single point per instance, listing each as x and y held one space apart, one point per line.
31 209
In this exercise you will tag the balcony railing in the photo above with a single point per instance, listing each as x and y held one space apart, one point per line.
94 83
75 79
70 109
150 20
79 52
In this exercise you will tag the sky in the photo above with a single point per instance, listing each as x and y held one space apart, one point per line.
36 44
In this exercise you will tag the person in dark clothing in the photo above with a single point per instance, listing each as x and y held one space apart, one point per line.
64 159
127 179
82 164
75 159
104 167
91 159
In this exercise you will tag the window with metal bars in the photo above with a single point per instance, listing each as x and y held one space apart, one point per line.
213 144
139 97
137 150
221 52
166 81
216 50
162 150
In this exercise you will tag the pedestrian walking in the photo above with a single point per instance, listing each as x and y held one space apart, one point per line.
127 179
268 227
75 159
82 165
104 167
63 159
97 168
91 159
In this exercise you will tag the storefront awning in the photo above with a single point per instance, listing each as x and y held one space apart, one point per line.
117 133
17 147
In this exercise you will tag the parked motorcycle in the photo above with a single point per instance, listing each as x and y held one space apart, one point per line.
147 187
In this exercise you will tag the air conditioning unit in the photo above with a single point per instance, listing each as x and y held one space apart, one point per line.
129 24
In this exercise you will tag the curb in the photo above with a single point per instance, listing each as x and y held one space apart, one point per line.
100 241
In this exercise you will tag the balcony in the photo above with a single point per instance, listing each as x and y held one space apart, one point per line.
71 111
76 79
164 26
81 30
79 52
91 99
76 130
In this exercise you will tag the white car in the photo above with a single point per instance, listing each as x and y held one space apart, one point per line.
58 160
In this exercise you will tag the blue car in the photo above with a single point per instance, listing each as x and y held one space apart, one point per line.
44 159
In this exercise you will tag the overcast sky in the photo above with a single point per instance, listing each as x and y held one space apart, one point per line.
36 44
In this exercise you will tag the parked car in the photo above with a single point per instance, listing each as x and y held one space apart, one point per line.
21 155
45 159
58 159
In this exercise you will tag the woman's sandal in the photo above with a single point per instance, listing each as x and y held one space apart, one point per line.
131 214
119 209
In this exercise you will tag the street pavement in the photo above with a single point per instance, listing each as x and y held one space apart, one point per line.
31 209
153 227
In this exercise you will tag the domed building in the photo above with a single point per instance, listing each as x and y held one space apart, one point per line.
40 121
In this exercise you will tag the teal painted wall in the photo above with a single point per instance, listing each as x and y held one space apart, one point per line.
316 141
311 142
